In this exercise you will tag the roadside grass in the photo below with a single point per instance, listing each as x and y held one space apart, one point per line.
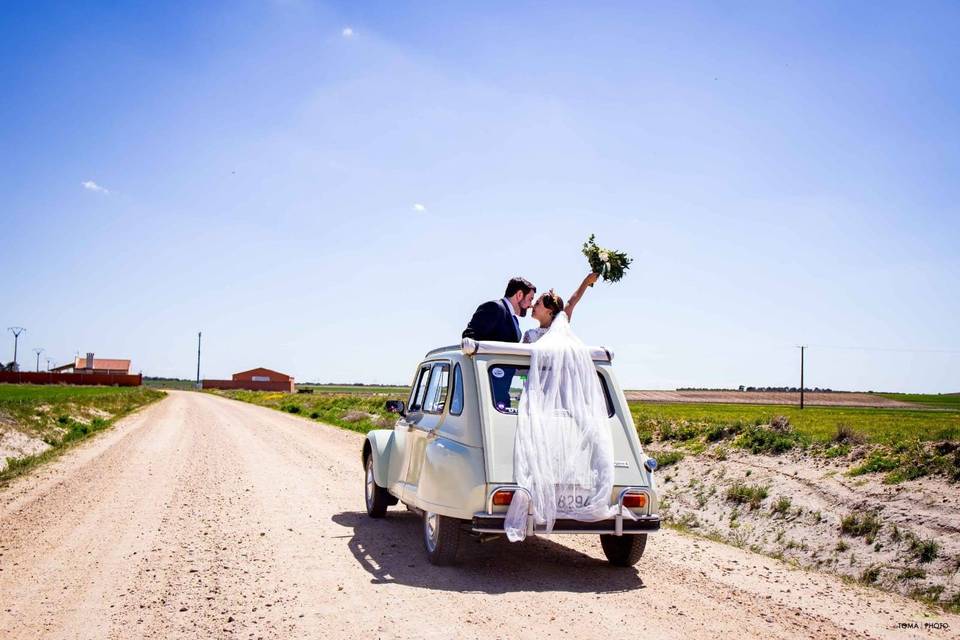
353 411
63 415
356 388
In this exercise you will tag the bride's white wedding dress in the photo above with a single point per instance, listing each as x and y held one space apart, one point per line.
532 335
563 452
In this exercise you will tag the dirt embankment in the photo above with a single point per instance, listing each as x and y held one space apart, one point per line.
902 537
812 398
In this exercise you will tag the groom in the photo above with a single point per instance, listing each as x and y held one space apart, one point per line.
497 319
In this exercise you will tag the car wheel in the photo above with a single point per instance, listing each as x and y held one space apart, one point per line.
377 497
623 551
441 538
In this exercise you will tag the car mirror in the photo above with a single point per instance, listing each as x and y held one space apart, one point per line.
396 406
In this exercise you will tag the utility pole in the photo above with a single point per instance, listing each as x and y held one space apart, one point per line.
16 331
802 349
49 362
38 351
199 335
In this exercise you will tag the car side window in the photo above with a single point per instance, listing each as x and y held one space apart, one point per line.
437 389
456 400
419 391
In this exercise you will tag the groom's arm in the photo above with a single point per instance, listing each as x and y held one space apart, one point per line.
483 321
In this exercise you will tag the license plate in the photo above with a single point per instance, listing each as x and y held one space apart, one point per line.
570 498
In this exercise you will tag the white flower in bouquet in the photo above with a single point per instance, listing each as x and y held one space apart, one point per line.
609 263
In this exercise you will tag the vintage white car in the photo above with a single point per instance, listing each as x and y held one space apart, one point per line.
449 458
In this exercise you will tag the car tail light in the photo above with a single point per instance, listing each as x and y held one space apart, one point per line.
633 500
503 498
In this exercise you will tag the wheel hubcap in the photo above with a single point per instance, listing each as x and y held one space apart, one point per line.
370 484
431 524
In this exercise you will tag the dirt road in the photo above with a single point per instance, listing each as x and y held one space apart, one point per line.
204 517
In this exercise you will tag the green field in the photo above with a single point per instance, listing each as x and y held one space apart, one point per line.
169 383
819 424
816 424
61 414
934 401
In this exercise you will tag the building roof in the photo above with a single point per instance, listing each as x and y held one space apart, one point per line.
264 371
112 364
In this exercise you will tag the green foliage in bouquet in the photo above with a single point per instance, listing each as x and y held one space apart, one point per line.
609 263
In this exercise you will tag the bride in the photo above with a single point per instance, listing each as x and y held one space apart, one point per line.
563 450
549 305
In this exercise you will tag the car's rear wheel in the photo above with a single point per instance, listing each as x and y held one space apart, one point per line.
623 551
377 498
441 538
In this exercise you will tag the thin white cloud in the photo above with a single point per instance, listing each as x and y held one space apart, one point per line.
419 208
90 185
347 32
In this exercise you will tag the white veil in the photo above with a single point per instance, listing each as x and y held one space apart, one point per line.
563 452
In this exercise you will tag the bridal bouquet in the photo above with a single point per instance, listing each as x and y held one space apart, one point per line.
610 264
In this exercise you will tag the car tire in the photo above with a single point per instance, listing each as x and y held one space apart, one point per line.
441 538
377 498
623 551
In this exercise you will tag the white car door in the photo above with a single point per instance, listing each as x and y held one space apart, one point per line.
424 425
397 474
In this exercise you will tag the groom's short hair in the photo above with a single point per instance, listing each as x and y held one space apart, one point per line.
519 284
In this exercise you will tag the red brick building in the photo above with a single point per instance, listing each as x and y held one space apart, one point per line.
259 379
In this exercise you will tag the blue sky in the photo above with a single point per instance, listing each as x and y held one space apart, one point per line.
782 173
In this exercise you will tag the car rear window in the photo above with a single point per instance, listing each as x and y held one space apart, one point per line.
506 387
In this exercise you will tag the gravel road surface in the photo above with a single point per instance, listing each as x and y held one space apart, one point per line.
205 517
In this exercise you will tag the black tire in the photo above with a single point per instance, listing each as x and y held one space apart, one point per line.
623 551
441 538
376 497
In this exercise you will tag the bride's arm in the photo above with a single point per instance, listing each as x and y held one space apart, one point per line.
575 298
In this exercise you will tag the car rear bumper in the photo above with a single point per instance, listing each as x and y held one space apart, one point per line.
490 522
493 523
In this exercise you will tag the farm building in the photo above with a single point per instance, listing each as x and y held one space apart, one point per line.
83 371
89 364
259 379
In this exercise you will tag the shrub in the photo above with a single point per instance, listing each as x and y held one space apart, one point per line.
747 494
912 573
768 440
923 550
867 525
665 458
781 506
846 435
842 546
871 574
876 462
291 408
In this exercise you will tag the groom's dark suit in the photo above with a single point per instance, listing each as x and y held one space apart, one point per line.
493 320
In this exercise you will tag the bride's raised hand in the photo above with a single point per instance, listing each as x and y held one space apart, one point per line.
575 298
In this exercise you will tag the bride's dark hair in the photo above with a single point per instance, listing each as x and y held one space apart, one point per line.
553 302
